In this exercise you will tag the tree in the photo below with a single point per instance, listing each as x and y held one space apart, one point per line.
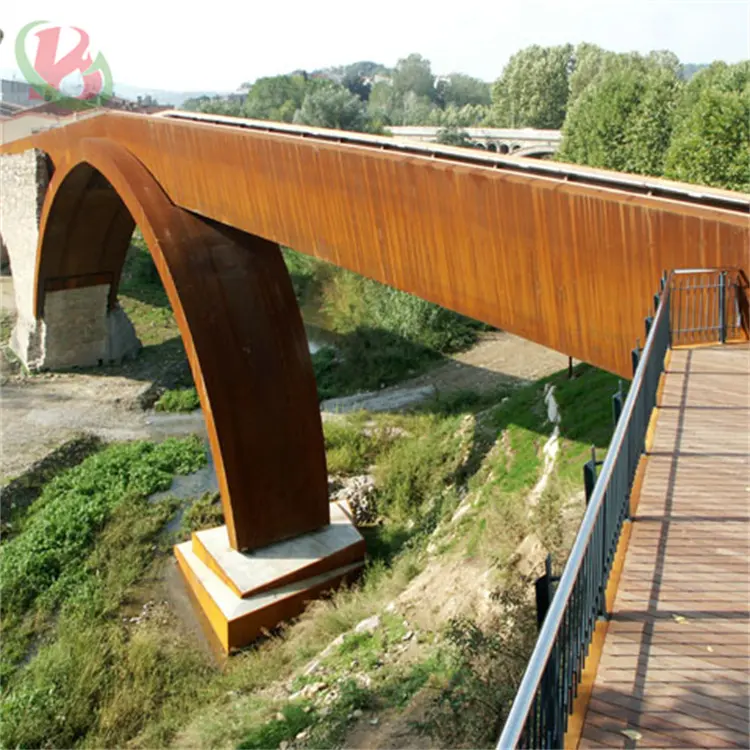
711 139
458 90
278 97
589 60
623 118
453 136
385 105
147 101
415 109
355 77
455 117
333 106
533 89
414 74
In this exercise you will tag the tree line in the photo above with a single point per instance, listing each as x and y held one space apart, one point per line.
646 114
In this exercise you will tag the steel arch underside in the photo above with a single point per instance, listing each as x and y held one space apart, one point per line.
566 264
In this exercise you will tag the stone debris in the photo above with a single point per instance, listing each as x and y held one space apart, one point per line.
332 646
359 493
308 691
312 667
551 447
529 557
363 680
370 625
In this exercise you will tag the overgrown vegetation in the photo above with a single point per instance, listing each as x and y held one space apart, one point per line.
73 560
178 400
94 654
381 335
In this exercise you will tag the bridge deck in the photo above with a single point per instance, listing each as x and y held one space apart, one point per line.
675 666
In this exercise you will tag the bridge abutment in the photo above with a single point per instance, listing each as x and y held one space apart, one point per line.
77 327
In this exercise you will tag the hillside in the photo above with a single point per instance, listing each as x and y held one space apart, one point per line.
459 501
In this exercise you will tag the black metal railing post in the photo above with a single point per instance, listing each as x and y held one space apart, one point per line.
722 307
543 590
617 401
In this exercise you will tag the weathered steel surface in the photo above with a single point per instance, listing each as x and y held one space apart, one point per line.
243 333
568 259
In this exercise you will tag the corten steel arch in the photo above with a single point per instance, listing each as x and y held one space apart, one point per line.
564 256
243 333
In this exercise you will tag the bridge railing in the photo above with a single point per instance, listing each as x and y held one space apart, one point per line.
709 305
539 715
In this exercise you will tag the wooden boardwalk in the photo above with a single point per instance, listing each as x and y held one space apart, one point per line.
675 667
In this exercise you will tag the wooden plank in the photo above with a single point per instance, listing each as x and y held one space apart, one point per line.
675 666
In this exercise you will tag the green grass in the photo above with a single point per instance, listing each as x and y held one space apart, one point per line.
178 400
383 335
351 447
48 566
203 513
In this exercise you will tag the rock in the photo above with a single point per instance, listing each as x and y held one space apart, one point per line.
309 690
529 557
408 635
284 744
312 667
332 646
363 680
303 735
359 493
357 713
370 625
279 716
374 721
391 607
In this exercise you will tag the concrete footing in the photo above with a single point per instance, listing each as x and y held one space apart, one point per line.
243 593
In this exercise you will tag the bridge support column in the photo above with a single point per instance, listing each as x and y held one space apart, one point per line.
78 326
282 543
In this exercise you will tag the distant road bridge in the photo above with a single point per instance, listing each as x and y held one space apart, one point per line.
516 141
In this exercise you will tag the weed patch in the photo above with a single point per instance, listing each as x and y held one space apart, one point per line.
178 400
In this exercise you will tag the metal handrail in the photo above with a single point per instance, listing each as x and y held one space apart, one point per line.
538 663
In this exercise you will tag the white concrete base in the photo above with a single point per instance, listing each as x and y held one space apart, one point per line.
249 573
243 594
237 621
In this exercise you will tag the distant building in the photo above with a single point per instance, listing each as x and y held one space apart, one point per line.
16 92
24 122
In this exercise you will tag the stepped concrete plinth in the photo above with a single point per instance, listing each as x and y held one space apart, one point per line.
244 593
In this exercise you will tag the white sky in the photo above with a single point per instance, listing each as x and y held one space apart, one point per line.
219 44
